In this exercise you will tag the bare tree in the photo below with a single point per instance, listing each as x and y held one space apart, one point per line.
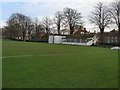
115 11
58 20
13 26
25 22
101 18
19 23
39 28
30 29
47 24
72 17
8 32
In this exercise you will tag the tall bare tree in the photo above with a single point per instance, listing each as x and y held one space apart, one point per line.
30 29
25 23
47 24
115 11
101 18
72 17
38 28
58 20
13 26
19 22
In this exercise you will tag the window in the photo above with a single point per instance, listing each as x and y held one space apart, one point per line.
82 32
108 41
112 37
108 37
116 37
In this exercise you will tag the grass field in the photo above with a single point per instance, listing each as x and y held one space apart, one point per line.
0 64
42 65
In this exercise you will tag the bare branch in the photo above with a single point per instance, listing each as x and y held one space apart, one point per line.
73 17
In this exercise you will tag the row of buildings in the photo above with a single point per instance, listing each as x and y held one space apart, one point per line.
110 38
79 33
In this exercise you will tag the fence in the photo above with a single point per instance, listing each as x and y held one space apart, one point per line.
73 41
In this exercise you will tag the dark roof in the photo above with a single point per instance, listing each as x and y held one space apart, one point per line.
111 33
84 36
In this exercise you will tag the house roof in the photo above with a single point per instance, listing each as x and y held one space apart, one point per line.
82 36
111 33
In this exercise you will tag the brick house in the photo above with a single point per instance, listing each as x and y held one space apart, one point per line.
110 37
80 30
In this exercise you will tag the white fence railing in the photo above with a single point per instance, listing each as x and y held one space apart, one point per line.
64 40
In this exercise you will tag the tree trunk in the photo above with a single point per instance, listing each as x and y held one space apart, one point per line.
58 29
71 30
53 39
37 35
23 36
101 37
29 35
36 32
47 31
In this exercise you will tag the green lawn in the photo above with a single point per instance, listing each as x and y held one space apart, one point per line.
42 65
0 64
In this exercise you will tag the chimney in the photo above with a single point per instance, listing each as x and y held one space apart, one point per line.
81 27
84 29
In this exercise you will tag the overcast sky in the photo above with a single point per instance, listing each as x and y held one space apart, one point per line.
42 8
